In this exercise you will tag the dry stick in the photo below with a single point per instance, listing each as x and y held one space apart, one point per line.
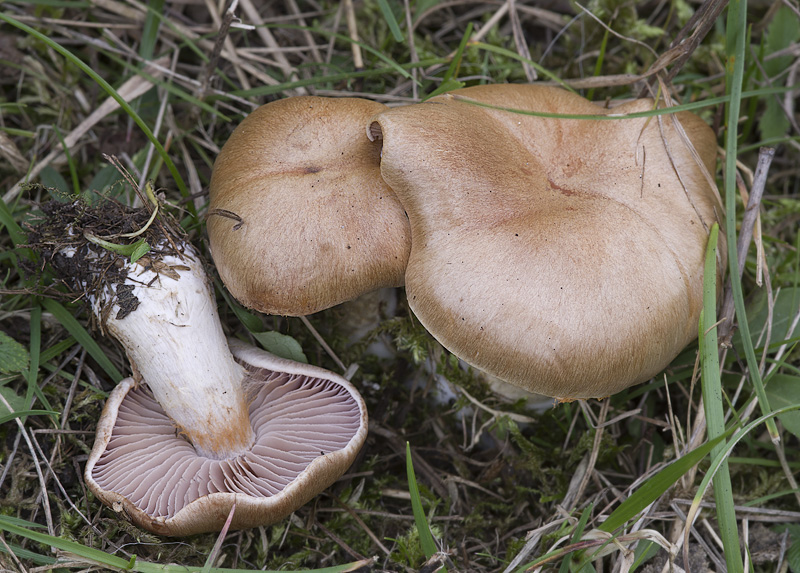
301 21
363 526
598 437
195 186
269 40
533 539
610 30
219 42
337 19
151 148
709 549
68 401
478 35
13 555
352 29
136 11
63 490
398 443
412 50
228 43
45 499
681 48
779 449
521 43
324 344
340 542
765 156
726 315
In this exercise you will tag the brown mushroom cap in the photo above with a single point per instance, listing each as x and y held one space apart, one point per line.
563 256
313 222
309 424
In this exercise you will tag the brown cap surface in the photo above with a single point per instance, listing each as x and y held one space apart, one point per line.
313 222
309 424
563 256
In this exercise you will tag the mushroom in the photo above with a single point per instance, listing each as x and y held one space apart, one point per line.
299 218
204 425
308 426
564 256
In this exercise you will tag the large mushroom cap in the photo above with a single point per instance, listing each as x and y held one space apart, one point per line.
300 219
309 424
563 256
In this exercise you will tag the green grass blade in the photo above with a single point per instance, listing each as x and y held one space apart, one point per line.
63 544
34 352
391 21
515 56
330 78
83 337
10 223
718 461
425 535
713 404
150 29
598 66
581 525
734 73
691 106
24 529
25 413
653 488
113 94
448 83
73 172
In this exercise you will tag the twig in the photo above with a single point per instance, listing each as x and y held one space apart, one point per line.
13 555
520 42
45 499
765 156
681 48
766 514
352 29
598 437
340 542
531 543
315 53
363 526
324 344
412 50
219 42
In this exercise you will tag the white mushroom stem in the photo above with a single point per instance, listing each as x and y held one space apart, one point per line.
175 341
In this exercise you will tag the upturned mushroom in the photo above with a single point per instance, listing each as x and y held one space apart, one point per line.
202 427
299 217
562 255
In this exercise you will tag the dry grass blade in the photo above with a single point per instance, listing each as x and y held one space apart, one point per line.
129 91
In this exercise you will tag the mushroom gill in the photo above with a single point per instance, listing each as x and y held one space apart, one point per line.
308 425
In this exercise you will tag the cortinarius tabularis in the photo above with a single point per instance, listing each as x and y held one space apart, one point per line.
562 255
299 218
202 426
